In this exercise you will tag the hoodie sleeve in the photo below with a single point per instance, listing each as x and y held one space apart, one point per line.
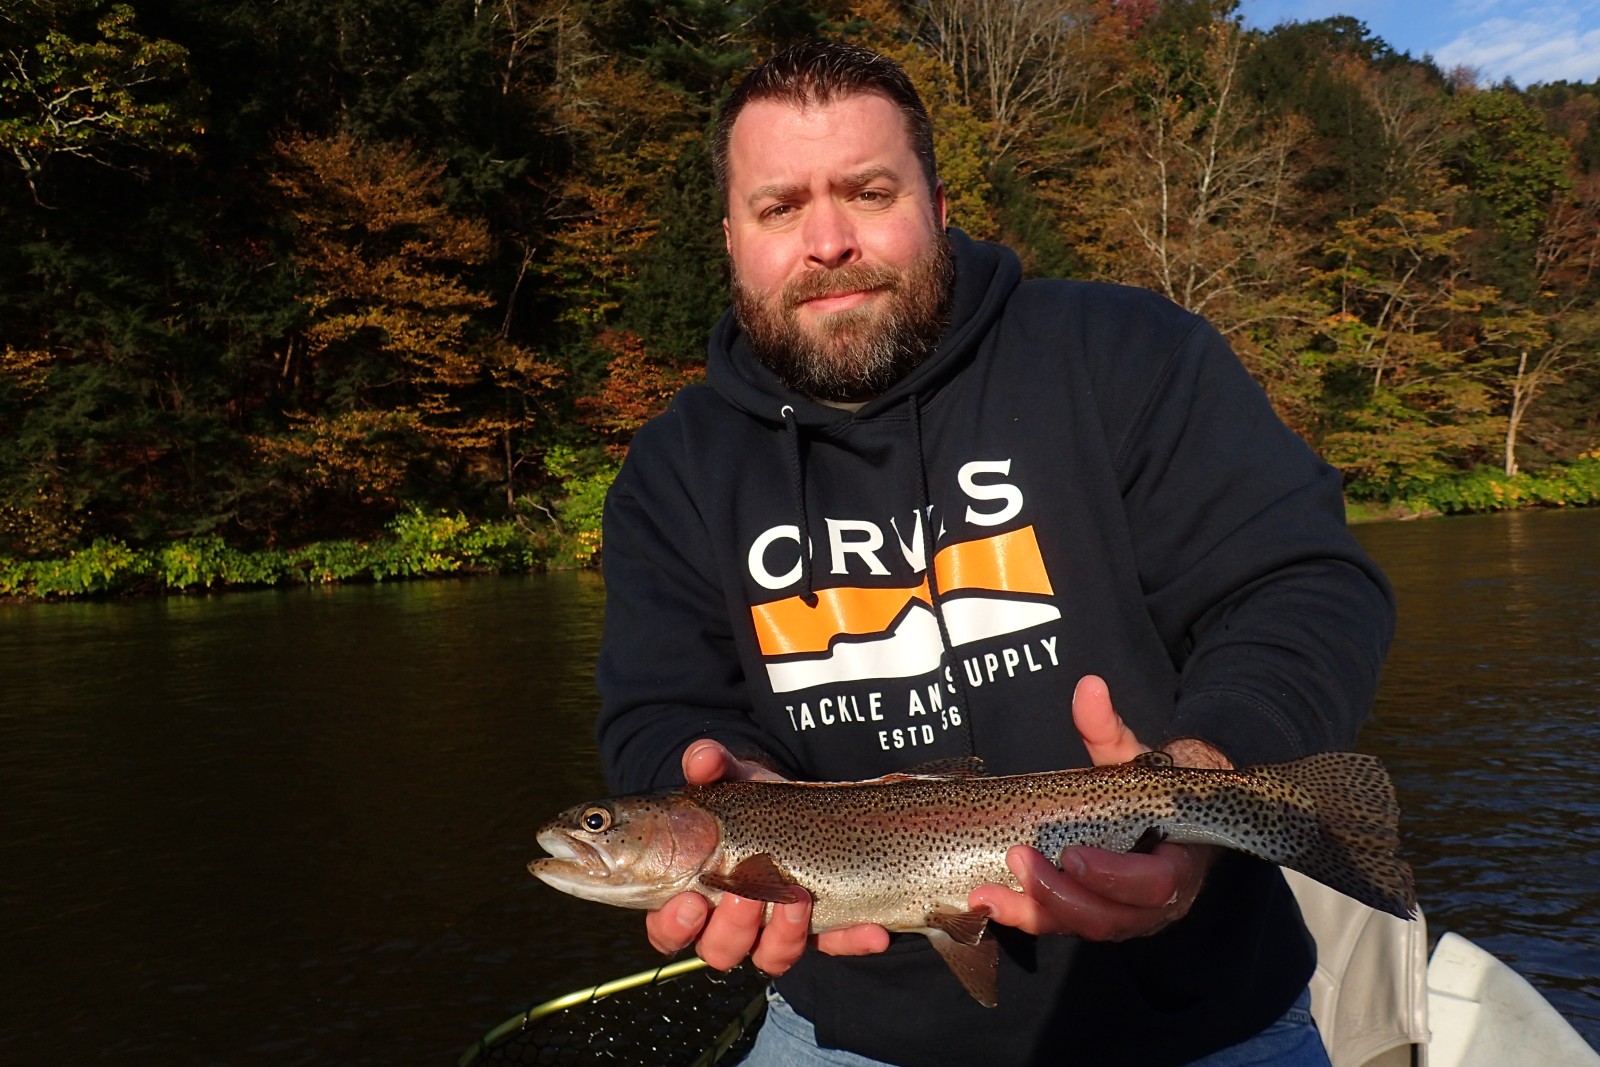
668 670
1276 618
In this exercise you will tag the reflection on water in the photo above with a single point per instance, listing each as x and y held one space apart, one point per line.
1488 718
292 827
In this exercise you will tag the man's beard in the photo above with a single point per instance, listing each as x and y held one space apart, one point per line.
859 353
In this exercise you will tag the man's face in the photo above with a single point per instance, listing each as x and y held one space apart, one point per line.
841 269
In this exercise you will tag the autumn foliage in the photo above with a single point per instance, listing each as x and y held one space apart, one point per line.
277 272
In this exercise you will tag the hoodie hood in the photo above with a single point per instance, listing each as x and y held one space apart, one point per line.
985 276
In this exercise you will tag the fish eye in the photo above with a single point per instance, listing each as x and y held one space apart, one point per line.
595 820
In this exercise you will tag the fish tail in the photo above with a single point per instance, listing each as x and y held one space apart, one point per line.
1353 837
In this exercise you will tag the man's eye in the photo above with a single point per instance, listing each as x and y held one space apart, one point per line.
777 211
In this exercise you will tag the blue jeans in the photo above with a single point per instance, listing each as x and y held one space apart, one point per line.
787 1039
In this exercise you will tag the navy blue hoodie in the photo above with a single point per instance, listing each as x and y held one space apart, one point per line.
1102 489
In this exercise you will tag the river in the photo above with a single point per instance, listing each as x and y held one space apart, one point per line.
291 827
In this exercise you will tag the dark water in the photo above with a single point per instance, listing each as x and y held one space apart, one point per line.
291 827
1489 719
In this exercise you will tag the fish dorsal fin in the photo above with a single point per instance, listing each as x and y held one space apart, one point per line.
758 877
974 962
953 767
1158 760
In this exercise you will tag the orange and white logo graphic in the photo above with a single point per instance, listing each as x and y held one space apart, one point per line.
987 587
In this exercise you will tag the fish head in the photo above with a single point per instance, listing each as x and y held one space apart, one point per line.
632 852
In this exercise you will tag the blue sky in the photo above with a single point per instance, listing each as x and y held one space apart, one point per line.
1526 40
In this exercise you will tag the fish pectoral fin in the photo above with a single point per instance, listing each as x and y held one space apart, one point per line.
757 877
975 966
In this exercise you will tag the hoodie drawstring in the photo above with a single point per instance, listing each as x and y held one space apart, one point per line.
797 484
924 506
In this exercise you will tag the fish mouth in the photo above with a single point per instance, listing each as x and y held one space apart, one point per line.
571 856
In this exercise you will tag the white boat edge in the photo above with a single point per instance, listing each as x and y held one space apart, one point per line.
1380 1002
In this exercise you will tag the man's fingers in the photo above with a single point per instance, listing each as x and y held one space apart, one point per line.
1101 896
1104 734
704 762
731 932
783 939
677 923
1139 880
863 940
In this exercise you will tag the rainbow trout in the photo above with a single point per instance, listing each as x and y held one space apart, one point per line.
905 850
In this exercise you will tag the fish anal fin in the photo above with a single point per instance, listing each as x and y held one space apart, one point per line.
757 877
976 966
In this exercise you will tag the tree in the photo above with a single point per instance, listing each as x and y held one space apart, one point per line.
1024 67
1558 333
1512 168
106 99
1403 363
388 373
1191 198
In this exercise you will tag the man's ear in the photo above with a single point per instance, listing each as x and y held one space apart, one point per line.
727 237
939 205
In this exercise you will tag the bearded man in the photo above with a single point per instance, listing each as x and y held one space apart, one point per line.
919 502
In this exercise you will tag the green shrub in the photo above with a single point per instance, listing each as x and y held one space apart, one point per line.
585 479
1484 489
418 543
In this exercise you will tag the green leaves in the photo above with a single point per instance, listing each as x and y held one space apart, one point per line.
95 96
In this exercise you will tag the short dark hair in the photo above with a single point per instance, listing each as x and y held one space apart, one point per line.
817 73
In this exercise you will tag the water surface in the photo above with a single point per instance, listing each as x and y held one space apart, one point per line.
291 827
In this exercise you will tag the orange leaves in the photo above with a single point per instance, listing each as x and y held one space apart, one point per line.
395 353
638 387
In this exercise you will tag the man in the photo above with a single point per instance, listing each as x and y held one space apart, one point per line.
917 502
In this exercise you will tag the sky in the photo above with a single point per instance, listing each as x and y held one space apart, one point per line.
1527 41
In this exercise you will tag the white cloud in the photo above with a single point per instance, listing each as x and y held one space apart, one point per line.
1527 50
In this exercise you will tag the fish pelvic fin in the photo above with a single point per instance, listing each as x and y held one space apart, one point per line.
972 958
757 877
1357 820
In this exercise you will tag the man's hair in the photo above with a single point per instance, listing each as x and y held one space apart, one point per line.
815 74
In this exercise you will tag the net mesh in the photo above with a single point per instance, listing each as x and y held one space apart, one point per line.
681 1015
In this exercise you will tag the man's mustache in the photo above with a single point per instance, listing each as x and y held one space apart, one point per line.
852 278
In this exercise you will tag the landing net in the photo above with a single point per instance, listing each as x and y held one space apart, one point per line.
681 1015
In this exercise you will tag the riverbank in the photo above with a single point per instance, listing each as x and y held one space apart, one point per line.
1487 489
418 544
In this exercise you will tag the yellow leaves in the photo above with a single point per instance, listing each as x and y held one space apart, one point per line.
629 133
25 369
392 319
386 255
363 452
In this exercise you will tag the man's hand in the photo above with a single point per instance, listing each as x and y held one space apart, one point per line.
1096 894
724 935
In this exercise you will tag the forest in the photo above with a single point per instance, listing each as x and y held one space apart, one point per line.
310 289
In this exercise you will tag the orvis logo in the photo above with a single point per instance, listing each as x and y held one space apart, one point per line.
988 587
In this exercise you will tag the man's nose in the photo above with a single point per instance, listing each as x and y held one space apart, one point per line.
830 235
